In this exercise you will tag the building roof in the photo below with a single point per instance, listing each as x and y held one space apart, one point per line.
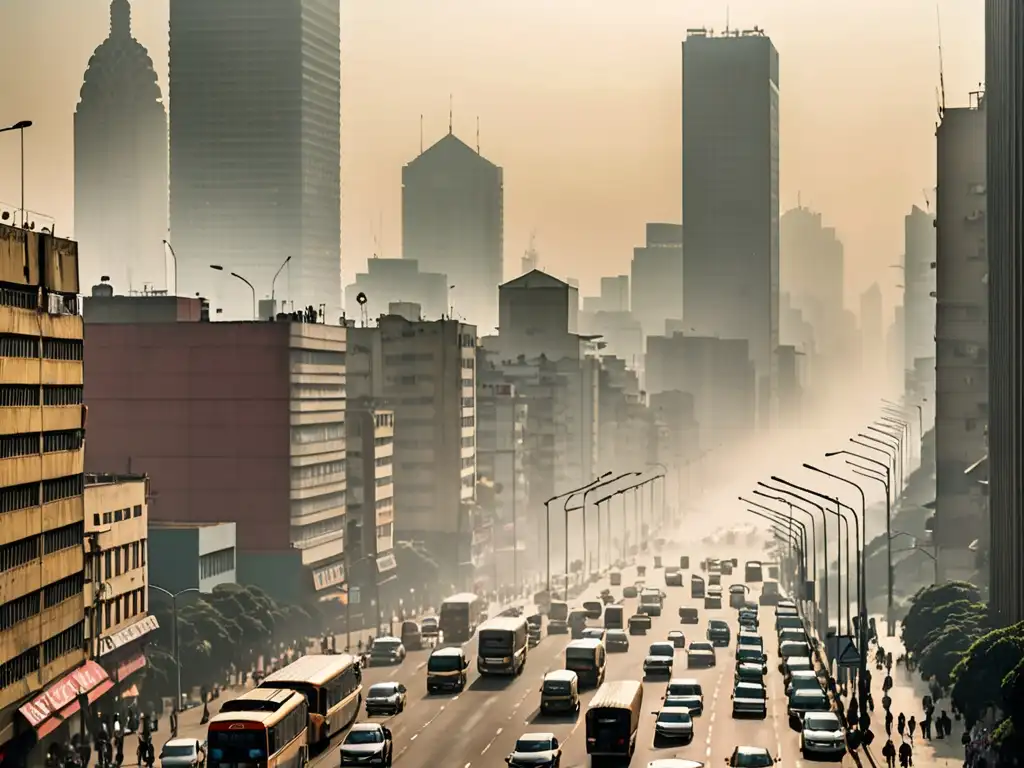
450 149
535 279
120 70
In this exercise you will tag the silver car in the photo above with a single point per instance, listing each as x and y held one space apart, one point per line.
183 753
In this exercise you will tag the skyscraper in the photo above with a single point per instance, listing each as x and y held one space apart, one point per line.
656 275
871 334
919 285
452 223
1004 104
255 150
121 163
731 192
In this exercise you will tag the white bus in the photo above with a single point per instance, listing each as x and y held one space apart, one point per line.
460 616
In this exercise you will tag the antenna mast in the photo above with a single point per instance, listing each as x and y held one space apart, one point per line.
727 20
450 115
478 134
942 75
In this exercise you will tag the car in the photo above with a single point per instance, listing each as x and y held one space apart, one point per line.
749 673
385 699
700 655
822 735
802 703
674 762
751 757
748 655
367 743
430 627
639 623
792 635
677 638
795 664
749 699
537 750
719 633
673 724
803 680
183 753
673 577
616 641
386 650
791 649
629 591
684 692
595 633
689 616
659 659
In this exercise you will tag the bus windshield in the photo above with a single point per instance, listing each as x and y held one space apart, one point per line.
579 658
752 571
496 640
237 747
444 664
558 612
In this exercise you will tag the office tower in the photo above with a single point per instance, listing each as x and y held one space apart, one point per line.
1004 104
961 339
871 334
919 285
42 581
656 274
121 163
811 272
255 89
452 223
535 307
396 280
731 193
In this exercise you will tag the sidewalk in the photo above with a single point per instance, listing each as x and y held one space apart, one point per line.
907 691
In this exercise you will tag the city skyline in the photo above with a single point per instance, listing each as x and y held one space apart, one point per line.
859 114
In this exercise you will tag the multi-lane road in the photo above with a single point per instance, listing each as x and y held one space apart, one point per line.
479 726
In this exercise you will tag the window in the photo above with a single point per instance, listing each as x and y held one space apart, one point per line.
19 553
469 442
318 391
65 589
25 444
468 421
62 349
65 440
384 531
20 667
17 345
317 433
318 471
108 611
316 357
215 563
383 461
108 564
62 488
62 394
58 539
137 510
143 547
316 504
380 482
70 640
13 612
21 297
468 402
18 395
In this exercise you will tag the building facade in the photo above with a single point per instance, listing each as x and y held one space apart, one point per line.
812 262
961 340
392 280
656 274
121 163
255 151
453 223
731 192
199 556
919 286
42 434
537 305
1004 105
238 422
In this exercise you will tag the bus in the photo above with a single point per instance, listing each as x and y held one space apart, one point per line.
752 572
614 718
502 646
333 689
261 729
460 616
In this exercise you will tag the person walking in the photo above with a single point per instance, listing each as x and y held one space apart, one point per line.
888 722
901 724
906 755
926 725
889 753
911 726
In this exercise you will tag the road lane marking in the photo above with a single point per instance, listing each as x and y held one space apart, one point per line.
421 665
707 752
414 737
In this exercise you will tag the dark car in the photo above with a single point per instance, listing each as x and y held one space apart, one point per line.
689 616
677 638
616 641
719 634
367 743
385 699
700 655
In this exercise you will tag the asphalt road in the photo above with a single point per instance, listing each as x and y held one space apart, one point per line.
480 726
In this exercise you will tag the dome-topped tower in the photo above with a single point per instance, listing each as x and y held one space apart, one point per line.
121 162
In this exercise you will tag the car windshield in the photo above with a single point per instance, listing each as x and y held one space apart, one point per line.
617 635
750 692
443 663
674 717
177 750
381 690
811 700
748 654
716 624
384 646
533 745
701 647
683 689
429 621
661 649
556 687
752 760
821 723
365 737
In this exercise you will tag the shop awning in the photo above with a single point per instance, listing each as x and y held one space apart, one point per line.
131 693
48 711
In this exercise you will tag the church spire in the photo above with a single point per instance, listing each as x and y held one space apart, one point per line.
120 18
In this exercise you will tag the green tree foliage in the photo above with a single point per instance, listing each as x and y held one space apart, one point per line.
931 609
988 672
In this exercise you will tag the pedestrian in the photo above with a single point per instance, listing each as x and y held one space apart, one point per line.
911 726
947 724
926 725
889 753
174 723
888 722
906 755
901 724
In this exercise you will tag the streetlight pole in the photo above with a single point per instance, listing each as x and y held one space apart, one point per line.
896 446
252 288
785 525
663 476
547 515
174 263
915 547
273 282
810 596
174 633
583 512
20 127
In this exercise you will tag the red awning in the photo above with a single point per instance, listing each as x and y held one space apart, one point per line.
52 707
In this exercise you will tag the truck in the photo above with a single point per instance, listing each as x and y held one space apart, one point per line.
613 719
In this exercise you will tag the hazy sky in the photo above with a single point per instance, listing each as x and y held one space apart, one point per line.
578 100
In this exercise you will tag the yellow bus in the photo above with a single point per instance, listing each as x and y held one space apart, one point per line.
332 685
261 729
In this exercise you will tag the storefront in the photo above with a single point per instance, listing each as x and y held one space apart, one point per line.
123 658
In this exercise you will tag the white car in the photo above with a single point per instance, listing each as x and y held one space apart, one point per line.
183 753
823 735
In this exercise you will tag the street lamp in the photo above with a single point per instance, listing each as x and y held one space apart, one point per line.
219 268
274 281
547 515
583 513
896 433
803 527
621 492
174 633
663 476
784 535
20 127
896 446
915 547
174 261
786 524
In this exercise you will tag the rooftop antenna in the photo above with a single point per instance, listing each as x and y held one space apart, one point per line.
799 203
942 75
421 133
727 20
450 110
478 134
376 240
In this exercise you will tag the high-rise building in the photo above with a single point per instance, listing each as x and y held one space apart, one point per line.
453 223
961 340
536 307
919 285
1004 104
811 266
121 163
386 281
42 637
656 278
871 334
255 151
731 192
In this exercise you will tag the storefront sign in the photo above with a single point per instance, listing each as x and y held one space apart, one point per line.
130 667
64 692
329 576
128 634
386 562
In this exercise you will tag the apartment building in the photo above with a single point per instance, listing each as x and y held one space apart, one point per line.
42 618
425 372
239 422
117 620
199 556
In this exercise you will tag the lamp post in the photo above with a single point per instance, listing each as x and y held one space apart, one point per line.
20 127
621 492
800 535
915 547
274 281
806 595
547 515
174 633
219 268
583 510
781 531
896 446
663 476
174 263
895 432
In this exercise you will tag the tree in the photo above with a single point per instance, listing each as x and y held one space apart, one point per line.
931 608
978 678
